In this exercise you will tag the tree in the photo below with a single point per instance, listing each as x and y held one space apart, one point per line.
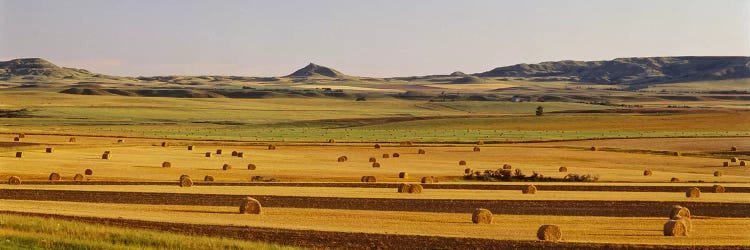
539 111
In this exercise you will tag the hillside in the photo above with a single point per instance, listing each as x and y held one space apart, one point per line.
314 70
631 70
31 67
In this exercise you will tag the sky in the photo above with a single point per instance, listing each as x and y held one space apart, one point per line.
379 38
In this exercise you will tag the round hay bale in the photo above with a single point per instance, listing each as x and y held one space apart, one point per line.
166 164
529 189
676 153
693 192
16 139
719 188
594 149
717 173
427 179
403 175
106 156
185 181
396 155
21 135
468 171
208 178
477 149
342 159
462 163
733 159
218 151
386 156
226 167
725 164
271 147
48 150
120 140
742 164
208 154
373 159
249 205
647 172
72 139
377 146
368 178
234 153
403 187
331 141
674 179
507 166
562 169
165 144
55 177
251 166
733 148
88 171
240 154
78 177
415 189
14 180
675 228
375 165
481 216
680 211
19 154
549 233
190 147
184 176
421 151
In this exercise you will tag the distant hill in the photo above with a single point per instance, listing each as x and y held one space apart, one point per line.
631 70
30 67
314 70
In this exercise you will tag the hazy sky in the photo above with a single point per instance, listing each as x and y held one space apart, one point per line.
367 38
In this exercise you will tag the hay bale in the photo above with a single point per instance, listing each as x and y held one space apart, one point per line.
248 205
185 181
16 139
733 159
14 180
428 179
377 146
674 179
676 153
368 178
742 164
251 166
386 156
120 140
680 211
717 173
342 159
481 216
21 135
271 147
190 147
462 163
403 175
562 169
693 192
396 155
19 154
165 144
78 177
208 154
106 156
166 164
403 188
421 151
733 148
48 150
549 233
468 171
55 177
372 159
240 154
406 143
88 171
507 166
375 165
72 139
331 141
719 188
594 149
208 178
675 228
647 172
226 167
218 151
415 189
529 189
477 149
725 164
234 153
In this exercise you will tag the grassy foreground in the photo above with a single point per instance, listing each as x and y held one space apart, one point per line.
24 232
